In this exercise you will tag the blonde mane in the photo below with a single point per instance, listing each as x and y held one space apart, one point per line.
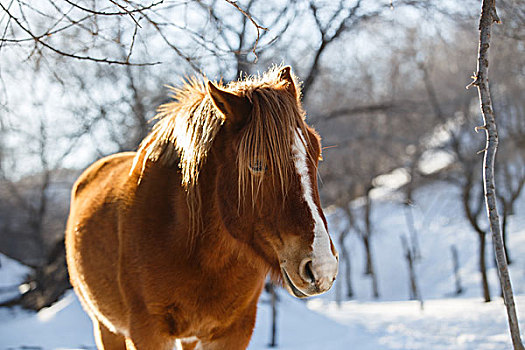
184 132
187 127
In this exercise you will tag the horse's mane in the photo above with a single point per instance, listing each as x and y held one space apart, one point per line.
184 132
187 127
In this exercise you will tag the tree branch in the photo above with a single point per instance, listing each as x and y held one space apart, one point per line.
327 39
481 81
38 40
256 25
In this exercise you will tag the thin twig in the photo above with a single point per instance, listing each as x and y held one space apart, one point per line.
68 54
118 13
257 26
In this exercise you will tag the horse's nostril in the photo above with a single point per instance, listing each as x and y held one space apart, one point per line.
308 271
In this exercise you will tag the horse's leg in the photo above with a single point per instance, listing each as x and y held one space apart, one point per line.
238 336
145 335
190 345
235 340
107 340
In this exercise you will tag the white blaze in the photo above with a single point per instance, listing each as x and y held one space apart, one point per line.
324 263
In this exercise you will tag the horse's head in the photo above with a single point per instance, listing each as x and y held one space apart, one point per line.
267 192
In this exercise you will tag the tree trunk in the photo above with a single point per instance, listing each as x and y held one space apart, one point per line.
368 256
409 219
473 217
506 214
413 284
345 258
457 277
375 288
273 339
348 277
370 266
409 256
367 235
338 286
483 268
488 16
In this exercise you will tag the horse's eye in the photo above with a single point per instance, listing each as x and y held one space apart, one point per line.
258 167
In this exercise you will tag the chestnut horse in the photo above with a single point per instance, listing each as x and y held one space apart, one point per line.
171 245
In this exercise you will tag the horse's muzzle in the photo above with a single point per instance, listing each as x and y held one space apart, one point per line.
312 277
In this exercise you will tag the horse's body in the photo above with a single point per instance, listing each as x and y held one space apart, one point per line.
175 241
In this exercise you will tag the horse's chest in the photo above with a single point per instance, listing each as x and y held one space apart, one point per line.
210 311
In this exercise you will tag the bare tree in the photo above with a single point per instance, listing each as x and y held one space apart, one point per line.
346 267
473 206
510 160
481 81
244 38
512 181
37 25
35 198
409 253
412 230
274 299
341 20
365 230
40 28
455 263
466 174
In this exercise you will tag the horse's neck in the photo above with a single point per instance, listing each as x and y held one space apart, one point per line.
216 240
211 246
216 246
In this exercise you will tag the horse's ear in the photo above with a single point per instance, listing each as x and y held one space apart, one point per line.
236 109
285 75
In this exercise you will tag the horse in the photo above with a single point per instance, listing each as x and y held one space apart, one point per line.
171 245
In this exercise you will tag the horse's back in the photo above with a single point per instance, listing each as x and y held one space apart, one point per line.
92 241
103 175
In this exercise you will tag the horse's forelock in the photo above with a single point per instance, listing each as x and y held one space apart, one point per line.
267 138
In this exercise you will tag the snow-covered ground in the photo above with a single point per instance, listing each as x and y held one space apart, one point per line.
392 322
458 324
11 275
443 324
438 217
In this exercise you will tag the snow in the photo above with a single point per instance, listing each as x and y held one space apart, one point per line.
65 326
439 220
459 324
392 322
392 180
444 324
12 274
434 160
62 326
